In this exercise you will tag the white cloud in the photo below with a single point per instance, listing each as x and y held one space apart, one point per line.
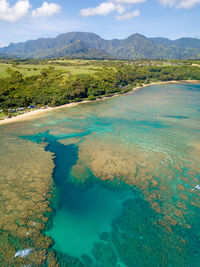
187 4
47 9
120 9
130 15
170 3
3 44
183 4
129 1
15 12
122 6
103 9
106 8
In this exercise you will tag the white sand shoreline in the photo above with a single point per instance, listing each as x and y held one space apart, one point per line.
32 114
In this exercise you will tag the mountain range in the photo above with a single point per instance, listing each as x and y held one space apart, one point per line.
90 45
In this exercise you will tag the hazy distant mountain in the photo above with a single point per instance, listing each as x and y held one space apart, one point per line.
90 45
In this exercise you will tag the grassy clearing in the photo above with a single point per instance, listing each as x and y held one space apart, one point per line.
24 69
73 61
75 67
3 67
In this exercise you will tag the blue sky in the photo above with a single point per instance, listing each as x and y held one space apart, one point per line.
21 20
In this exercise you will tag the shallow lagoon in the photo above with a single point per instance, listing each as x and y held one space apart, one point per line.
125 175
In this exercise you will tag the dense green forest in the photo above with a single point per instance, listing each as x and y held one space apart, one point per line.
52 87
90 45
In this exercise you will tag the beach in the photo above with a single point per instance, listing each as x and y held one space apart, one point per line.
38 112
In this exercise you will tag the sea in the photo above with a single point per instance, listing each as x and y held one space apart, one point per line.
108 183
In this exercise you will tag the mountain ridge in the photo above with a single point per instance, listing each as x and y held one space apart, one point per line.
90 45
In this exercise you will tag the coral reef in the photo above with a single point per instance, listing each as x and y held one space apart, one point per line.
25 181
149 171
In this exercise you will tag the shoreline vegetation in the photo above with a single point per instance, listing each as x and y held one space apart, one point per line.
39 112
29 87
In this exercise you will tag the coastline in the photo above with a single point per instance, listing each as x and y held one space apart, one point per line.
32 114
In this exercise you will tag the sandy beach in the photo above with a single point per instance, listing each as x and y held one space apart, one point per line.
38 112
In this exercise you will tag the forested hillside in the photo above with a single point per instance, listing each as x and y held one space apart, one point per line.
90 45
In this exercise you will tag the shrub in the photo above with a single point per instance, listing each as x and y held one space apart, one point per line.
77 99
91 97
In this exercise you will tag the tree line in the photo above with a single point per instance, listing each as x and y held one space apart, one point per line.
51 88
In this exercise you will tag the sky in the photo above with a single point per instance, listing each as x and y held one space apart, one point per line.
22 20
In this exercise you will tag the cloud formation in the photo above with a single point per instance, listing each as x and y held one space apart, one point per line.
103 9
183 4
129 15
187 4
3 44
21 8
47 9
129 1
122 6
15 12
118 6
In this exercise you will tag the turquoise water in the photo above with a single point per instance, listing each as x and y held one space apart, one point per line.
84 212
125 175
